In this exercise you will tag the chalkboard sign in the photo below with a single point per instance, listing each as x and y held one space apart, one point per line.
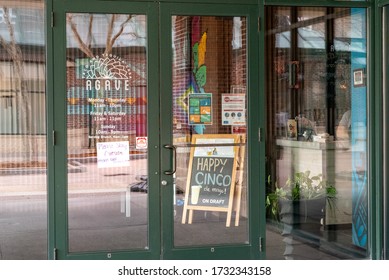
211 175
210 181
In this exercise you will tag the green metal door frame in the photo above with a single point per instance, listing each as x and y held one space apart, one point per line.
159 89
382 43
58 237
252 250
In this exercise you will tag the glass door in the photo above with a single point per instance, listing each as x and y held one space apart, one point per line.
106 131
209 109
131 151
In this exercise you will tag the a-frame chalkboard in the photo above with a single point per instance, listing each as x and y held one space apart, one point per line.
212 175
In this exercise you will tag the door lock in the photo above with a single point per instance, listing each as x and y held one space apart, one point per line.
163 182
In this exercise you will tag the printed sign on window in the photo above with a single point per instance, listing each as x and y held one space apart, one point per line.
141 143
200 108
233 109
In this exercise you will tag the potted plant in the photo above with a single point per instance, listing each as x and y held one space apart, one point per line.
302 199
300 206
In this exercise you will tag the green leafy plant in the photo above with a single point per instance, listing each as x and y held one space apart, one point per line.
302 186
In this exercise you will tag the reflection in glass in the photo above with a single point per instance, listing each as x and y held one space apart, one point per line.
316 142
209 130
23 204
107 132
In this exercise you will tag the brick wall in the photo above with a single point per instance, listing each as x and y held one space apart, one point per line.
226 68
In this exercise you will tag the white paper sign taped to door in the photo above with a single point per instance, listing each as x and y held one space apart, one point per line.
113 154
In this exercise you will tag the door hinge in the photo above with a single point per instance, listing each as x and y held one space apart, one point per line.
55 253
52 19
261 244
259 134
53 135
259 24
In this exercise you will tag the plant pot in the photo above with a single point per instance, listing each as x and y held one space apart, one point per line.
302 211
301 219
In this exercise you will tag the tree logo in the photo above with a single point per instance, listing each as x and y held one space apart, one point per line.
106 66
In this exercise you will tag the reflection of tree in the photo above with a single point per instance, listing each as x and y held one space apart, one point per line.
23 111
85 46
113 32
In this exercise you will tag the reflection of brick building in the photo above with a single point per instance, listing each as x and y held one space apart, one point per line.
106 81
23 103
22 84
117 105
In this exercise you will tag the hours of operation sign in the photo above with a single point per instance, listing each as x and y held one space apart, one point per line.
107 81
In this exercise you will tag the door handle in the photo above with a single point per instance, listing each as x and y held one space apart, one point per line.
173 148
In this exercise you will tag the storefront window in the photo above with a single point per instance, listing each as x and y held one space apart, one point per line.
317 195
23 206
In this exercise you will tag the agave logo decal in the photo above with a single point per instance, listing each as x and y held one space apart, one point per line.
107 72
